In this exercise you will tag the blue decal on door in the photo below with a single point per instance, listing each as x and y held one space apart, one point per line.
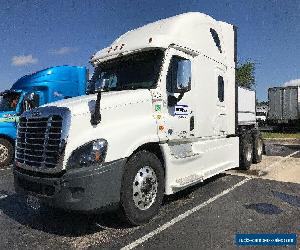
181 110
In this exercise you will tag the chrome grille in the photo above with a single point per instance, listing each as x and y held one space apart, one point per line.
39 141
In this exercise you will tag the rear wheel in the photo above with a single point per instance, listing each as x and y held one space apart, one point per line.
142 187
258 147
6 152
246 151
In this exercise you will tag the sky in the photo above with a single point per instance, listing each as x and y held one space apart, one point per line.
38 34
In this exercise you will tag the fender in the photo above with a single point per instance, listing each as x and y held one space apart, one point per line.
122 143
9 132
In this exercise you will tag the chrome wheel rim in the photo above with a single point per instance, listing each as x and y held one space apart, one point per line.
259 147
144 188
249 153
3 153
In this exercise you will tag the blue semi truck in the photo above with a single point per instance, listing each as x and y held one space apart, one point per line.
31 91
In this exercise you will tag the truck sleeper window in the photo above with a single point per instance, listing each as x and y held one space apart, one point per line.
136 71
216 38
221 89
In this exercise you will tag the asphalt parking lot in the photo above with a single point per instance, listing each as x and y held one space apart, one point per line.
206 216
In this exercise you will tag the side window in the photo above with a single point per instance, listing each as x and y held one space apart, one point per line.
216 38
221 88
179 75
31 101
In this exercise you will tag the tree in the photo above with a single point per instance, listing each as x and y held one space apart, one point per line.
245 75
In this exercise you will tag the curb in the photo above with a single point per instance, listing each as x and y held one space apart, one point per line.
283 141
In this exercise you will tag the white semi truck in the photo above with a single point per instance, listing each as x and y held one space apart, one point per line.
162 115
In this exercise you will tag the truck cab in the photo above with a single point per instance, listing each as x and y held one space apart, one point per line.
31 91
162 115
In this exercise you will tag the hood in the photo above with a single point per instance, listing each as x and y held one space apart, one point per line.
109 100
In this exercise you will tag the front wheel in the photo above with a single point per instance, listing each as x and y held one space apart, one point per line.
6 152
142 187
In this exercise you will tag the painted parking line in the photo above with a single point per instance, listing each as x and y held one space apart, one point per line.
182 216
264 171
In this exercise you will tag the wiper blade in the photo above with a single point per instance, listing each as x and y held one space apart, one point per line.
133 87
128 87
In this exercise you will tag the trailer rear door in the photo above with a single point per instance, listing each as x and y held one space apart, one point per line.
275 104
290 103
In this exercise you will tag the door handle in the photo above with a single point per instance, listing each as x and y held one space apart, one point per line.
192 123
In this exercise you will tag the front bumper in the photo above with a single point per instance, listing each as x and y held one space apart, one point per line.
84 189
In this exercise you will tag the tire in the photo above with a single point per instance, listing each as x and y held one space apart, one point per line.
138 183
258 147
6 152
246 151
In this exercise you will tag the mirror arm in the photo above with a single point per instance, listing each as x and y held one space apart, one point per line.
180 96
96 116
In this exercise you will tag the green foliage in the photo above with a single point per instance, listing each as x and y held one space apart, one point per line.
245 75
261 103
271 135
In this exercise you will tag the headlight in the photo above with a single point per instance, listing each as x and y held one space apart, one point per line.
91 153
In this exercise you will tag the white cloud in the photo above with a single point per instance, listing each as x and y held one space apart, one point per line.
23 60
63 50
295 82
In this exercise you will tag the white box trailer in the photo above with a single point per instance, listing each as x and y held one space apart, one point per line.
246 106
284 105
163 115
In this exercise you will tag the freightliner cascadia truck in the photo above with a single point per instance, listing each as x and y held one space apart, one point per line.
33 90
162 115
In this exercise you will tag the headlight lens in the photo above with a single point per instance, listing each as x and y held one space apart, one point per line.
89 154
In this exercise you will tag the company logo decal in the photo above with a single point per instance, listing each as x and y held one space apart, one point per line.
181 110
57 94
8 119
36 114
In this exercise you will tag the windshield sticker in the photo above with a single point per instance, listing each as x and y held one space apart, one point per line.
181 110
157 107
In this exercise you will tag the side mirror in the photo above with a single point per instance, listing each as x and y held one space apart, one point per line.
31 101
183 83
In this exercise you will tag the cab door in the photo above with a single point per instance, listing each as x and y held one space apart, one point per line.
179 111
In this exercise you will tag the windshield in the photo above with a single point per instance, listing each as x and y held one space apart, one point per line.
260 113
136 71
9 101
